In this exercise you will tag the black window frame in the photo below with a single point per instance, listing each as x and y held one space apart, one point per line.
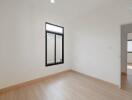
55 33
127 44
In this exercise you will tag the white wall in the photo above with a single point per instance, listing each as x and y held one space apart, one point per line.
129 36
129 55
129 58
22 41
97 46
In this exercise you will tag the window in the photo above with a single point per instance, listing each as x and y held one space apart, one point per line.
129 46
54 44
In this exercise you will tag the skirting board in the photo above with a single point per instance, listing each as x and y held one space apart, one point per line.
4 90
129 63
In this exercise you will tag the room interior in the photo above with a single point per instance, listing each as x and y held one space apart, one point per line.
64 49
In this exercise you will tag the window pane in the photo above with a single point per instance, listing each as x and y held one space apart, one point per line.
50 48
58 48
129 48
53 28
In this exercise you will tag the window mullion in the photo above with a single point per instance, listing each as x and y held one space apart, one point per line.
55 49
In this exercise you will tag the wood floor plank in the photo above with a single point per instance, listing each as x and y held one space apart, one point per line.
68 86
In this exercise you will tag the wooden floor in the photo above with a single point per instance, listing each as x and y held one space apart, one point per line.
68 86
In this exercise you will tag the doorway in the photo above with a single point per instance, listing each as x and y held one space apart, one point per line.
126 57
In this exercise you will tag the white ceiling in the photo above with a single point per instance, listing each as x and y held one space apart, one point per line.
68 9
73 8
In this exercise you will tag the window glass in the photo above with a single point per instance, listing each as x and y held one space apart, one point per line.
58 48
129 48
53 28
50 48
